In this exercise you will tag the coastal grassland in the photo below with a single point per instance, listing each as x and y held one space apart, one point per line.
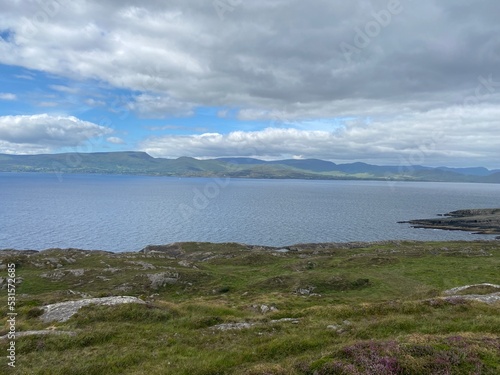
314 309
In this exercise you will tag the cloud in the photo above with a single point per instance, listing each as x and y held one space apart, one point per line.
65 89
94 103
149 106
7 96
265 55
115 140
196 129
48 104
410 70
28 134
432 139
24 76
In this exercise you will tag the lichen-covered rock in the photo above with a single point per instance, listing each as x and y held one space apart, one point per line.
144 265
54 275
62 311
59 274
231 326
264 309
486 298
173 250
78 272
159 280
459 289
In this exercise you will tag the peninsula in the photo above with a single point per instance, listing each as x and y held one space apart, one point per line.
479 221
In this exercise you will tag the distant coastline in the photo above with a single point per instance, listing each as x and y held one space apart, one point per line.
141 163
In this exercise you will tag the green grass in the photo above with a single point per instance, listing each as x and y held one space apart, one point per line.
382 296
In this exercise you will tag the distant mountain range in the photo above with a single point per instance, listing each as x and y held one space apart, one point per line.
141 163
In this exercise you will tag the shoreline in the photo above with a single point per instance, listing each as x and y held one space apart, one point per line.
475 221
175 248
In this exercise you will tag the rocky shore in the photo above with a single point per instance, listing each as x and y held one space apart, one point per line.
479 221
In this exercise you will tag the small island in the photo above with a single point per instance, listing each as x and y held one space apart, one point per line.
479 221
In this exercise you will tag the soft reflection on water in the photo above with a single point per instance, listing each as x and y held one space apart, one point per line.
122 213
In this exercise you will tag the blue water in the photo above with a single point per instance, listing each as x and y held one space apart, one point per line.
125 213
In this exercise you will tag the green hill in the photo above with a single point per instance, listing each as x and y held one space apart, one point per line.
202 308
143 164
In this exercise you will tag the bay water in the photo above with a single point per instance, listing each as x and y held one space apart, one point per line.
126 213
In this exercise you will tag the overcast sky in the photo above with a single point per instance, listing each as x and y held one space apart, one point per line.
384 82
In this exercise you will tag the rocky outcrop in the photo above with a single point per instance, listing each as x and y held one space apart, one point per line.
62 311
486 298
264 309
480 221
456 295
232 326
459 289
245 325
159 280
173 250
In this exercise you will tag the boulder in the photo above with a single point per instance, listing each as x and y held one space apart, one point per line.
62 311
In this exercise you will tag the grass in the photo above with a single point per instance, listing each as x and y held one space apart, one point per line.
374 309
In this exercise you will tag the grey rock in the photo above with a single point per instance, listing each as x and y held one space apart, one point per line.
124 287
161 279
305 291
81 294
185 263
59 274
486 298
54 275
144 265
334 327
78 272
286 320
173 250
264 309
111 269
232 326
458 289
62 311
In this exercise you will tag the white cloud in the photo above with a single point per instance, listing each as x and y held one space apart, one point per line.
94 103
7 96
254 59
115 140
25 76
37 133
466 136
47 104
65 89
280 62
150 106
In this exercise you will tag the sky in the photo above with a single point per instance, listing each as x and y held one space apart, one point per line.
388 82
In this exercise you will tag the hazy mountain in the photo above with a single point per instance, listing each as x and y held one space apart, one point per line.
477 171
141 163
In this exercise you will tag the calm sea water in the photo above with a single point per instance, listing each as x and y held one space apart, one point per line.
124 213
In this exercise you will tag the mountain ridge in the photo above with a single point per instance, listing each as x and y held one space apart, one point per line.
141 163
